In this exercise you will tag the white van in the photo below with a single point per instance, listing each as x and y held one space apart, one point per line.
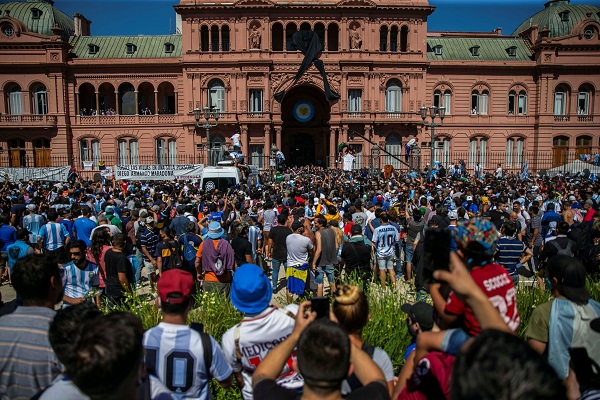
220 177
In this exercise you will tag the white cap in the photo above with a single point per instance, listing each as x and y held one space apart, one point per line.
469 198
452 215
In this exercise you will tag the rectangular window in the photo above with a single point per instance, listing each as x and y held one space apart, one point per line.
442 151
16 103
172 152
161 152
522 104
355 102
393 100
96 155
473 152
256 102
437 99
41 103
123 153
510 144
483 103
511 103
474 103
447 102
519 153
559 103
216 98
257 156
583 103
133 150
84 150
482 152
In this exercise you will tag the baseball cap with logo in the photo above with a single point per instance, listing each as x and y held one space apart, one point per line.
452 215
175 286
570 274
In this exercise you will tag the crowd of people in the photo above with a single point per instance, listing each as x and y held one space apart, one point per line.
465 242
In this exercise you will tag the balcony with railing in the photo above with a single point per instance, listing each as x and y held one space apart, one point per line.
28 121
126 119
562 118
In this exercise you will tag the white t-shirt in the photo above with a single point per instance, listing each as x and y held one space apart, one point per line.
258 334
297 249
176 353
236 139
499 172
348 161
385 237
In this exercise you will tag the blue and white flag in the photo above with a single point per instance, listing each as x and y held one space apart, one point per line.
525 171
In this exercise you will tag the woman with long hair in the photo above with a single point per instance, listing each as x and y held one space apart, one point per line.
101 242
351 308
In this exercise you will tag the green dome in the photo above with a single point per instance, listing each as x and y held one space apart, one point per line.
41 21
553 17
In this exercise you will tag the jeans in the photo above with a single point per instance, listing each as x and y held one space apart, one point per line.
140 266
276 264
325 270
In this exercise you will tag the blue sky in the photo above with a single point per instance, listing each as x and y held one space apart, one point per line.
155 17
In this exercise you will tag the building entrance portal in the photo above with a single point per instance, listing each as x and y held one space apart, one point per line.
305 134
302 150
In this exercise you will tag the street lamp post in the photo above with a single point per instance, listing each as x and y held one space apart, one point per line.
375 153
275 162
433 112
208 113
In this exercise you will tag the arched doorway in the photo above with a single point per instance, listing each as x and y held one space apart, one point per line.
305 133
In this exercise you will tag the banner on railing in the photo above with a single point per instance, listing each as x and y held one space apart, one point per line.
36 173
158 172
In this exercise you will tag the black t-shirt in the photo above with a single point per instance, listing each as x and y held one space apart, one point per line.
116 262
267 389
18 210
498 217
279 234
357 256
241 247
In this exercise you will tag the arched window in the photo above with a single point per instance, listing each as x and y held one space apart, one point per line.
393 145
40 100
126 99
560 150
320 31
522 104
277 37
204 38
214 38
583 101
290 29
514 152
393 97
560 100
517 104
332 37
41 152
166 151
89 151
15 100
383 38
404 38
394 38
128 151
305 26
479 102
216 94
225 38
478 151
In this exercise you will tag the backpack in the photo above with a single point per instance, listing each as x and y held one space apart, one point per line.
352 380
189 251
567 251
175 257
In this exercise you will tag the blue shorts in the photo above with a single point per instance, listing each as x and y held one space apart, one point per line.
453 340
408 253
385 263
321 271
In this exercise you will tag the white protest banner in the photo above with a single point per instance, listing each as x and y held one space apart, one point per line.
36 173
106 172
158 172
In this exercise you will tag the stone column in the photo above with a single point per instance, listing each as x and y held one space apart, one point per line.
244 140
97 103
344 134
332 147
156 102
176 110
137 102
267 140
76 103
278 136
117 109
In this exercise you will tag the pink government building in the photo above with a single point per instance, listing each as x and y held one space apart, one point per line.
70 98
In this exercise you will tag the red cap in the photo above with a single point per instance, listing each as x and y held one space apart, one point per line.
175 281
